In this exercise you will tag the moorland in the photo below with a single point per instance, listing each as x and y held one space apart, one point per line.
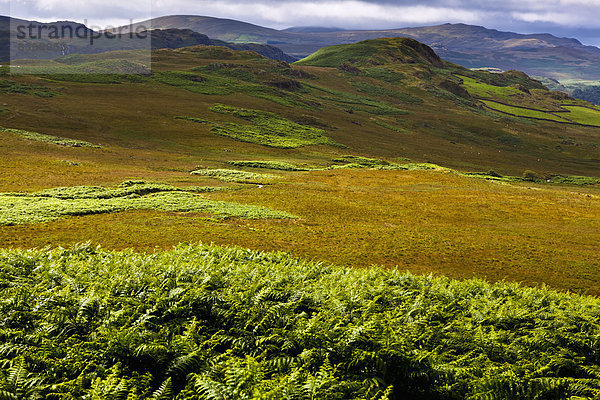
378 161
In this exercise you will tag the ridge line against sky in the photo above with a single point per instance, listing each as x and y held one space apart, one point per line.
563 18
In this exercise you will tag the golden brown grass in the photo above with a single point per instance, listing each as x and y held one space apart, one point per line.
421 221
418 220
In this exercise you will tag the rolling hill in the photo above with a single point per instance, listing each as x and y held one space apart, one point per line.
467 45
176 38
218 28
368 116
47 47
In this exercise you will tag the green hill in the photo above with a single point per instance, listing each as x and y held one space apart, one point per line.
377 51
177 38
467 45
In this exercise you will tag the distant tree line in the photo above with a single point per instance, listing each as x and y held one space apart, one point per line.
589 93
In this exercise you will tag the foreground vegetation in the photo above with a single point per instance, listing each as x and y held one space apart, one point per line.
204 322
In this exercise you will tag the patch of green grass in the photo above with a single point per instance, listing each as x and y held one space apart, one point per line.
420 167
196 120
484 90
266 129
197 83
127 188
378 91
40 137
390 127
52 204
524 112
276 165
206 322
530 176
492 176
223 84
583 115
9 86
232 175
334 56
365 104
384 74
575 180
96 78
357 162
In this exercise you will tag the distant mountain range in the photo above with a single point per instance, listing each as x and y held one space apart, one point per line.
467 45
173 38
48 47
470 46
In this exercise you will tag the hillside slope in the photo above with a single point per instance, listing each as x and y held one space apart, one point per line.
375 52
176 38
159 38
467 45
388 155
228 30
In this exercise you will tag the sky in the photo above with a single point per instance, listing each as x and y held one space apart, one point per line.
565 18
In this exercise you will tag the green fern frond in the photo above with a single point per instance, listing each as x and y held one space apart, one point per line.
164 392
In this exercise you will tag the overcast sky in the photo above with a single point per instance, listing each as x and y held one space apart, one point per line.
572 18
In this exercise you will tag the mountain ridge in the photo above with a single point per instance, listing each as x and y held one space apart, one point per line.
471 46
160 38
467 45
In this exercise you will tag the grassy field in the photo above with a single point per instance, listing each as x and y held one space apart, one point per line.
422 221
232 175
39 137
575 113
276 165
525 112
513 101
203 322
484 90
354 211
266 129
583 115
